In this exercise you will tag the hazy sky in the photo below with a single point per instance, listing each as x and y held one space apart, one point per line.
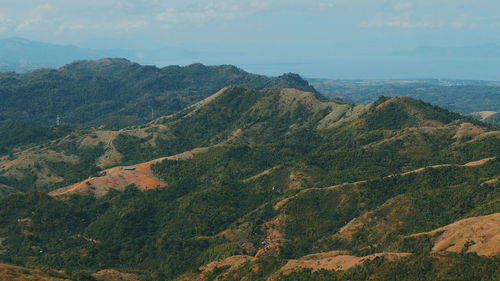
284 30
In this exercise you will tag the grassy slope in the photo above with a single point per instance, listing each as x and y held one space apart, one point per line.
219 203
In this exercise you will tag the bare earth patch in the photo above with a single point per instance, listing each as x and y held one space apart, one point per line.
468 130
274 237
261 174
380 226
3 248
17 273
28 160
470 164
232 263
114 275
197 106
479 234
118 178
387 102
335 260
484 114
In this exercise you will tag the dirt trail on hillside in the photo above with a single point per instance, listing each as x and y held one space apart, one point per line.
118 178
283 202
275 235
470 164
478 234
484 231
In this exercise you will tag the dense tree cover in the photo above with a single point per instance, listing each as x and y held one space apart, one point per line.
271 151
18 133
461 96
154 231
433 198
164 233
257 118
116 92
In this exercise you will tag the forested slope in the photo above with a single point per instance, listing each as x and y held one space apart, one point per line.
117 92
289 186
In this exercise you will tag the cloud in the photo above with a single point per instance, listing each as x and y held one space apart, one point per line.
211 12
320 6
461 22
137 24
402 7
5 23
404 16
405 22
35 16
70 27
260 5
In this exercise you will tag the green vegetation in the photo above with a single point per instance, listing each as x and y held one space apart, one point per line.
18 134
457 95
117 93
269 147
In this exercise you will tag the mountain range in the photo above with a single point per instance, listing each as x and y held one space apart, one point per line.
23 55
117 92
259 184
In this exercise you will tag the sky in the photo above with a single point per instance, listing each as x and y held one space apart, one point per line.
317 38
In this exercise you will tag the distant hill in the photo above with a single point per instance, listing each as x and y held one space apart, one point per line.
463 96
117 92
19 54
273 184
23 55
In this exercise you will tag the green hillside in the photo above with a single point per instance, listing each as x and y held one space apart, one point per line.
291 187
117 92
463 96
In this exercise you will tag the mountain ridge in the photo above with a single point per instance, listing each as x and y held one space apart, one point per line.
117 92
464 96
276 177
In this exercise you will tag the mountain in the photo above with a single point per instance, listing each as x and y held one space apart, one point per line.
19 54
23 55
464 96
272 184
117 92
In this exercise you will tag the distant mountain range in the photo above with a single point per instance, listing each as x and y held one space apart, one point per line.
18 54
21 55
